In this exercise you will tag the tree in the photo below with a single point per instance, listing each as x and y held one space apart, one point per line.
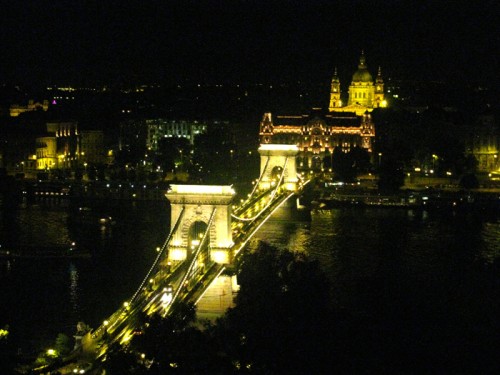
342 165
7 352
469 181
63 344
214 159
282 312
121 361
391 175
173 152
347 166
282 323
176 345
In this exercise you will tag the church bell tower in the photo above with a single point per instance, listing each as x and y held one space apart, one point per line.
379 90
335 101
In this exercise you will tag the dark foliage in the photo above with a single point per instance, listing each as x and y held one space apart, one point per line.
391 175
281 323
176 346
469 181
173 152
8 357
214 158
347 166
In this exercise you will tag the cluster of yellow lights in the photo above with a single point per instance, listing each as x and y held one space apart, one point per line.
202 189
287 129
220 256
288 116
278 147
177 254
350 130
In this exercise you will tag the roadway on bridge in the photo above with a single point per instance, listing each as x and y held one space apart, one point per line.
172 284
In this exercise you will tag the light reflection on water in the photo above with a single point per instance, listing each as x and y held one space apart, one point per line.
491 237
63 291
373 257
362 234
392 254
73 287
42 224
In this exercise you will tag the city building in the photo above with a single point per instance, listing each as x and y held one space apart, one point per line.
16 109
484 144
163 128
66 147
46 153
318 133
67 136
365 94
91 147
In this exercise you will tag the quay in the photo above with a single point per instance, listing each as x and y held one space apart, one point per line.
423 199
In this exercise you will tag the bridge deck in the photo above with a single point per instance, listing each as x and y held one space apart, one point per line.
169 285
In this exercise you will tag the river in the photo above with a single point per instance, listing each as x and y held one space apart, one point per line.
382 261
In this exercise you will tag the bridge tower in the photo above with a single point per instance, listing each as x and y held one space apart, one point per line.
196 204
273 159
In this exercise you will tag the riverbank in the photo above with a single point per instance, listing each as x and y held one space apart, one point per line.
43 253
439 199
94 190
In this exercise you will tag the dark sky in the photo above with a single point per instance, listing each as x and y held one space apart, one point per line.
71 41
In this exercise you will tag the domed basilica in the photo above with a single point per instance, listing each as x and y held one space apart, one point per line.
318 133
364 93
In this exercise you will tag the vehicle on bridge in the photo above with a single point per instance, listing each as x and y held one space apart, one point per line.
168 293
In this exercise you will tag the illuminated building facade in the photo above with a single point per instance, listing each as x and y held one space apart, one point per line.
484 144
65 147
318 133
163 128
46 153
67 143
16 109
365 94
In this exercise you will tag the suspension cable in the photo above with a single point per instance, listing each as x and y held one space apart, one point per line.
260 177
270 200
194 256
258 181
160 254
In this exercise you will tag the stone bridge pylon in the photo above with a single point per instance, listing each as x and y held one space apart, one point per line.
276 159
195 205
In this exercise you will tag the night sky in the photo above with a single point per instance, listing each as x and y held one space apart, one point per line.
111 41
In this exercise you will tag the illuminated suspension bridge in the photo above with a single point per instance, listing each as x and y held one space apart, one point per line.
208 235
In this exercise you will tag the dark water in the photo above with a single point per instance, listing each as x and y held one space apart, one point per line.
42 297
412 287
392 264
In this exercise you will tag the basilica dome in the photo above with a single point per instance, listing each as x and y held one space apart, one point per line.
362 74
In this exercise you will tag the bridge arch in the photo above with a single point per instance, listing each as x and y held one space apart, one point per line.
278 158
196 233
194 205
